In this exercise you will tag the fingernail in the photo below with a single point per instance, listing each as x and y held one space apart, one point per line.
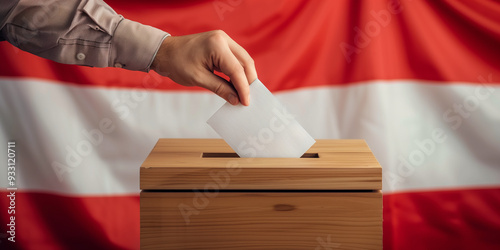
233 99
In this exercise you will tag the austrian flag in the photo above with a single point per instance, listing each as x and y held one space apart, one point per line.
418 80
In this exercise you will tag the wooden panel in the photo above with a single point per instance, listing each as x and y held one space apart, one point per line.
281 220
219 145
341 164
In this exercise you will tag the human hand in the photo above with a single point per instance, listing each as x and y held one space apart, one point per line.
191 61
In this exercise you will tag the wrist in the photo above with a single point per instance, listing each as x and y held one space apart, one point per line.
163 56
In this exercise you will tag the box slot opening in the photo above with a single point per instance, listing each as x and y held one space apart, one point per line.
234 155
266 191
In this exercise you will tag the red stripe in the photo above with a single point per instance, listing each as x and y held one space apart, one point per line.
47 221
457 219
297 43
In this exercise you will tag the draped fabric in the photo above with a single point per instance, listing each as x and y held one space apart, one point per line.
418 80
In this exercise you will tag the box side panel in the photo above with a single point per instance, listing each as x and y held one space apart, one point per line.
261 179
262 220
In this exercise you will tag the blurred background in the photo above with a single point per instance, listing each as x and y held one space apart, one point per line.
418 80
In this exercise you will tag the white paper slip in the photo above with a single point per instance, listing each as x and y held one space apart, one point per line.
263 129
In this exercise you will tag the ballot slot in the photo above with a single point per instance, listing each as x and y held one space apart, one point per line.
234 155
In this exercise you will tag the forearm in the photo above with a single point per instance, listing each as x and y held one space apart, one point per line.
82 32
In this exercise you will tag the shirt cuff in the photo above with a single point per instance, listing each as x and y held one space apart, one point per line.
135 45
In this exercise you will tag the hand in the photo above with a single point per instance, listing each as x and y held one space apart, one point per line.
191 61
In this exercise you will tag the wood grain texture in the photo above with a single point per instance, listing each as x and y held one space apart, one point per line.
262 220
341 165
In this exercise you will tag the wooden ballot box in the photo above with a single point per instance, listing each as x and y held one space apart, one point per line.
198 194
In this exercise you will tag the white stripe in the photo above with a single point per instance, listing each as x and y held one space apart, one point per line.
45 118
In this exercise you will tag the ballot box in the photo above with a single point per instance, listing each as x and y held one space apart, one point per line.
198 194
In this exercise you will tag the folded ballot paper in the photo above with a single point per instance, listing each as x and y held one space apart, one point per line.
263 129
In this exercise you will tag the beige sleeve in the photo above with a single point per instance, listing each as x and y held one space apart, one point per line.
82 32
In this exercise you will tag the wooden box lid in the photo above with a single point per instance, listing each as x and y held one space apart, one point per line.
211 165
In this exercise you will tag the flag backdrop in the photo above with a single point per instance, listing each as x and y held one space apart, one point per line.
418 80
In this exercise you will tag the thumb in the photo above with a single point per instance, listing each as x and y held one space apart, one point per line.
221 87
